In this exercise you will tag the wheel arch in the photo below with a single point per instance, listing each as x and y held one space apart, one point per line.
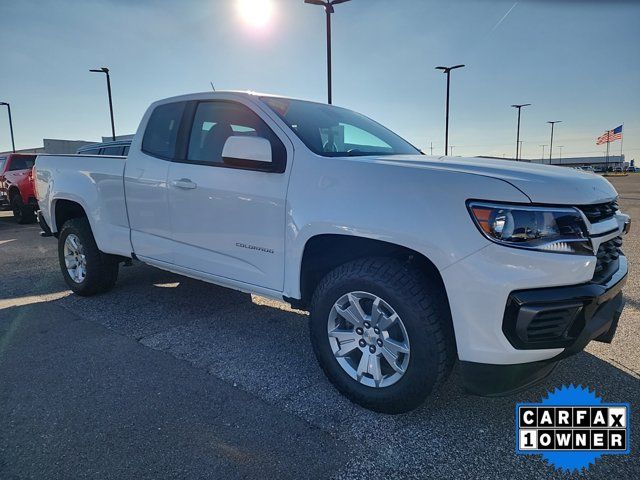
64 209
324 252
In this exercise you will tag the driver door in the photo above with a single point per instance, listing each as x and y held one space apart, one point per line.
227 221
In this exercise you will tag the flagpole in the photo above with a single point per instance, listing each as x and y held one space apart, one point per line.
607 164
621 140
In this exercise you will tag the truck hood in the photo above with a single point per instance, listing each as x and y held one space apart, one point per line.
541 183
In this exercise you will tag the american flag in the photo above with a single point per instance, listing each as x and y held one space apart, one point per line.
610 136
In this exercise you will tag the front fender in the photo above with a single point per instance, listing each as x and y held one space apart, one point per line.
418 208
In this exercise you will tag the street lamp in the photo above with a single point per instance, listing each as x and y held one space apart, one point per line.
560 147
451 150
519 107
13 143
551 144
542 158
447 70
105 70
328 8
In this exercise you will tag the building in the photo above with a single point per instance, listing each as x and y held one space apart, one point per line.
55 146
118 137
613 161
64 147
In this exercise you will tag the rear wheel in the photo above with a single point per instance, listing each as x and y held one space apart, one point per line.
21 212
85 269
382 333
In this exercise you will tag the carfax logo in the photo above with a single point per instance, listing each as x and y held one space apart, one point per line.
571 428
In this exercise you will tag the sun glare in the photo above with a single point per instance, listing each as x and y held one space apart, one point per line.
256 13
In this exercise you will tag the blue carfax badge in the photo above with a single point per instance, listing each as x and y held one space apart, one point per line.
572 427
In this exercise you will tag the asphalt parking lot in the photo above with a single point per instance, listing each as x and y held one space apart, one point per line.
168 377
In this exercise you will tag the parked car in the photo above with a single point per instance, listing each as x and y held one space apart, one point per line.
632 170
406 262
115 148
17 187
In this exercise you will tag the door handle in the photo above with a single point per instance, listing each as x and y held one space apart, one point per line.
184 183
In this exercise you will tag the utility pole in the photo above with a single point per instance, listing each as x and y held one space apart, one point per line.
328 8
105 70
13 143
551 143
519 107
447 70
431 148
542 158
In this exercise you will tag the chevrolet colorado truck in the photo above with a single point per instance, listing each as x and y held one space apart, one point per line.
406 262
17 186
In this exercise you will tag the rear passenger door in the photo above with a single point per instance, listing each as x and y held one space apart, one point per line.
145 181
227 221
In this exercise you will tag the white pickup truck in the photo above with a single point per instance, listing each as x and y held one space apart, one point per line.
407 262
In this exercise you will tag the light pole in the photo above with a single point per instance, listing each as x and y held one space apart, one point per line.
542 158
328 8
447 70
451 150
13 143
551 144
560 147
105 70
520 154
519 107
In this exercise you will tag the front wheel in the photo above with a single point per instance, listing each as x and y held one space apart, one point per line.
382 333
21 212
85 269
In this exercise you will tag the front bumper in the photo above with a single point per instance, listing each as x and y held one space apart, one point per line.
563 317
566 317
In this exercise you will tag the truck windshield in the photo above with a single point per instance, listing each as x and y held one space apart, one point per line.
337 132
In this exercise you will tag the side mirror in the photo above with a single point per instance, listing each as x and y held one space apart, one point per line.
250 152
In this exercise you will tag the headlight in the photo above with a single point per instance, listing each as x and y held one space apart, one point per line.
549 229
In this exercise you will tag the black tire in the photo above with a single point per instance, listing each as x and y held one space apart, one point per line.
423 308
101 268
21 212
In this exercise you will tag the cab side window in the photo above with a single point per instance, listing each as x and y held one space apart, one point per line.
161 134
214 122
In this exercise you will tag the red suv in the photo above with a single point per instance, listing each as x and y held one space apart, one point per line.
17 186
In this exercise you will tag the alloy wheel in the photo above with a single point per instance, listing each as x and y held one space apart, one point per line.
74 258
368 339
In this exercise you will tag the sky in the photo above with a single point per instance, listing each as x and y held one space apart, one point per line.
574 61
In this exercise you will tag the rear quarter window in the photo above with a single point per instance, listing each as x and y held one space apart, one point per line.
161 133
92 151
113 150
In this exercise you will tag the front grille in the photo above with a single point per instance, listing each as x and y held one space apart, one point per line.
607 259
549 325
599 212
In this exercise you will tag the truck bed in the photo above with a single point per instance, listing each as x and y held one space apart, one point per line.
97 184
